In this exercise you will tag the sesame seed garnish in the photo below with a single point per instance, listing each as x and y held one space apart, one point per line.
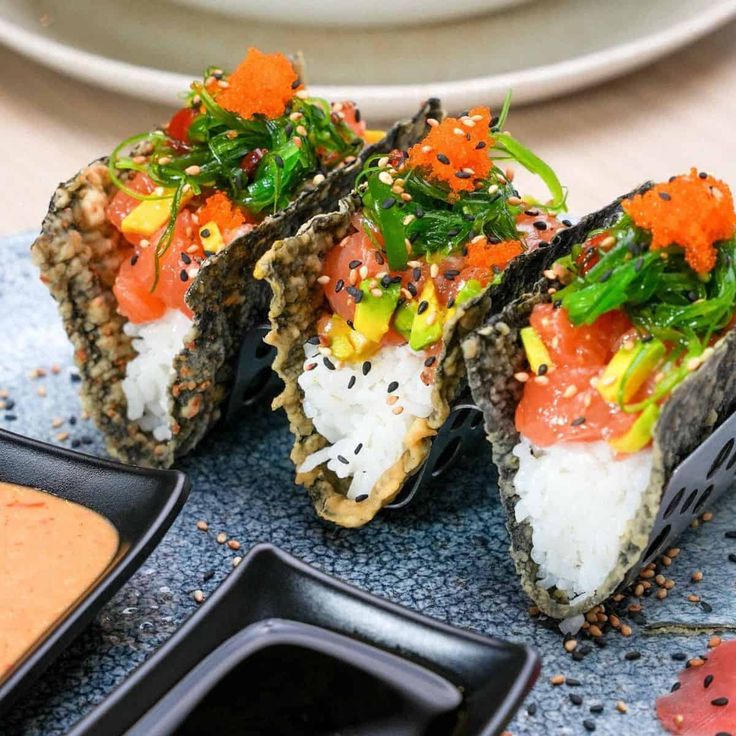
577 421
202 525
193 170
540 225
318 179
366 367
393 386
557 679
697 576
398 409
323 280
233 544
388 203
385 178
719 701
343 460
310 366
198 596
328 364
358 448
361 498
589 725
339 286
423 306
183 275
443 159
575 699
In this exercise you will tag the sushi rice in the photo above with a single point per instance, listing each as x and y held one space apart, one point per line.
578 498
149 374
348 406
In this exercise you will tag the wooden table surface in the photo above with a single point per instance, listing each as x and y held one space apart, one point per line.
677 113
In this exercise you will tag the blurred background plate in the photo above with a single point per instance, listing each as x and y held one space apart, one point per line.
367 13
152 48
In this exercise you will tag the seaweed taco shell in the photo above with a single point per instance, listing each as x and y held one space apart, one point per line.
292 267
78 255
494 353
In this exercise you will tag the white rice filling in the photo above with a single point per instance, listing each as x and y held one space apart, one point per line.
349 408
148 375
578 498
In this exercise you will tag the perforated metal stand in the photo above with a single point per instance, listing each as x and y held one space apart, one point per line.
701 478
461 432
254 379
459 435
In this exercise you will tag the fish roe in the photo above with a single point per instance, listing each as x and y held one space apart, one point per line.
456 153
483 254
694 211
220 210
262 84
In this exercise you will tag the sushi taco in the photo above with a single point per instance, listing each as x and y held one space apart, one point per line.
602 376
370 303
150 252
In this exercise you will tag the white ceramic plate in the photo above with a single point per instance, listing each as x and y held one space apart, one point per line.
153 48
351 13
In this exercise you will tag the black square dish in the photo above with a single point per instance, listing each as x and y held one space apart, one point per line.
140 503
299 629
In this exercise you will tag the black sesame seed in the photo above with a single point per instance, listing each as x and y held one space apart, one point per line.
419 213
451 302
596 709
76 443
577 421
208 575
451 273
134 259
706 607
183 275
708 681
531 709
462 175
288 130
573 682
10 417
296 84
358 448
361 498
423 307
186 259
392 386
354 292
665 196
72 420
10 404
730 535
411 288
703 175
416 273
355 264
278 160
429 362
607 275
443 159
396 280
724 733
589 725
679 656
675 687
493 240
543 368
567 223
632 656
453 232
343 460
480 145
75 377
328 363
339 286
719 701
379 258
86 439
577 656
576 699
205 232
366 367
388 203
539 225
732 557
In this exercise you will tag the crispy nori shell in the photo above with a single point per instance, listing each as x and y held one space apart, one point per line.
292 267
78 255
494 353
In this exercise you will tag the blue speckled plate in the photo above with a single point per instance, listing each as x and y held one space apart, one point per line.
446 556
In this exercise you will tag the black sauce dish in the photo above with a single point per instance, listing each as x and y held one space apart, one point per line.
281 648
140 503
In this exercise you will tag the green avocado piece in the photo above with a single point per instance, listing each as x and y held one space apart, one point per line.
469 290
373 313
404 319
427 326
640 433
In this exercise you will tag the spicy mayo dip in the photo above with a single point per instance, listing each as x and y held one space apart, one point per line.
51 552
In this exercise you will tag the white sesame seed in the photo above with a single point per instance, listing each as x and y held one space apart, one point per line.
458 131
383 162
193 170
469 122
323 280
408 219
432 122
301 130
521 376
318 178
493 189
363 272
434 270
426 149
377 293
385 178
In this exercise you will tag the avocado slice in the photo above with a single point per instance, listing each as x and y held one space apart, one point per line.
347 344
373 313
535 349
404 318
640 433
469 290
426 329
629 369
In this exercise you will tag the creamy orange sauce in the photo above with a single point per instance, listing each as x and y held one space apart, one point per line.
51 551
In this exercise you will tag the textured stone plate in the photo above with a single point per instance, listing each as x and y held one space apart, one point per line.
445 556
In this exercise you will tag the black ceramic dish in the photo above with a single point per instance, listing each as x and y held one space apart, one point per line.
140 503
277 628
